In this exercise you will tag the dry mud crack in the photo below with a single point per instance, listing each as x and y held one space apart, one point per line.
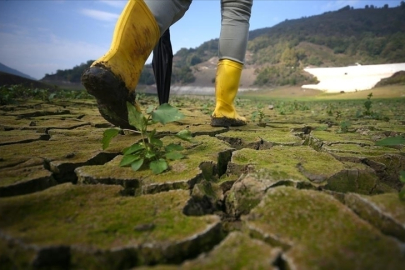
286 195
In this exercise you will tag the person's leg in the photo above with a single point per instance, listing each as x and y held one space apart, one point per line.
232 48
113 77
167 12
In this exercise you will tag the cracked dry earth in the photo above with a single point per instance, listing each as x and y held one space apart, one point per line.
283 196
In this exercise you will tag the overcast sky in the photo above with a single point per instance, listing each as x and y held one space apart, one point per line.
38 37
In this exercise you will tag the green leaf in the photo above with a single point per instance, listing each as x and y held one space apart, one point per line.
156 142
128 159
158 166
108 135
136 118
134 148
174 155
391 141
402 176
137 164
322 128
150 109
151 134
402 194
174 147
150 154
166 114
184 134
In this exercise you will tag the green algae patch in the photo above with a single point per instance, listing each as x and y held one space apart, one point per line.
207 158
76 134
46 124
320 139
385 211
60 156
317 231
286 163
41 117
20 136
237 251
359 151
196 126
331 137
259 139
96 217
94 137
390 127
50 151
27 177
13 176
359 181
96 121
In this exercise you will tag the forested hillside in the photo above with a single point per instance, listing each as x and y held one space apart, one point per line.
68 75
344 37
372 35
367 36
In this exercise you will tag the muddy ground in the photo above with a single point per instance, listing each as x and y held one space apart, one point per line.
302 186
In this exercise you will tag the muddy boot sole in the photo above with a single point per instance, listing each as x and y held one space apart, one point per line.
111 95
226 122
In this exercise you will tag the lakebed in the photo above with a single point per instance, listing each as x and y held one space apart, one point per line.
302 186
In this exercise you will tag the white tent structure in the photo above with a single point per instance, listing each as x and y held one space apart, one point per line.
351 78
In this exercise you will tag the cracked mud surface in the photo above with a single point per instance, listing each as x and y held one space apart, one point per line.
293 193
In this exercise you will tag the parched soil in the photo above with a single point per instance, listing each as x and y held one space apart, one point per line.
302 186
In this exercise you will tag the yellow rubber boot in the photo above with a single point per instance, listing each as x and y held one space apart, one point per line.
226 88
113 77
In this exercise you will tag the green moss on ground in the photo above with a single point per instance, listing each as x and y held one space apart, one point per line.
97 216
237 251
354 150
333 137
299 163
270 135
385 211
321 232
13 176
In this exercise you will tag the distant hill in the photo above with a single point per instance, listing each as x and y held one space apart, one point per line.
370 36
68 75
277 55
6 69
10 79
73 76
396 78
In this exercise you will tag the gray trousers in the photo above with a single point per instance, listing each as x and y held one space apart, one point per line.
235 15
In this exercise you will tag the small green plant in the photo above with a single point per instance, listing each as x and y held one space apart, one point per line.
207 108
344 126
260 115
367 104
322 128
150 149
394 141
338 115
391 141
238 102
329 109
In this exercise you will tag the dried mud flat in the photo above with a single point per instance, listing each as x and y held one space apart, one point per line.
295 193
